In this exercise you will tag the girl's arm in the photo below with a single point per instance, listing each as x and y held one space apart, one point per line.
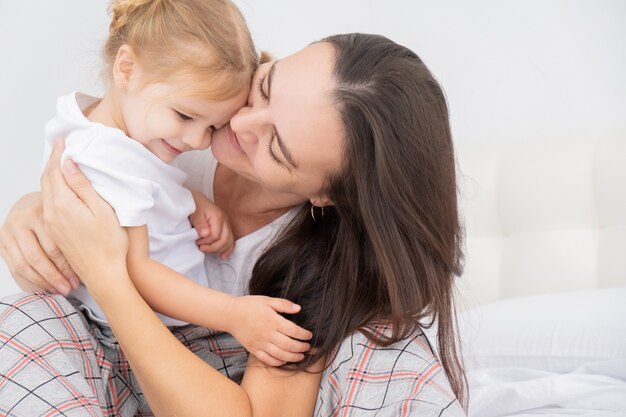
253 320
170 292
177 382
174 380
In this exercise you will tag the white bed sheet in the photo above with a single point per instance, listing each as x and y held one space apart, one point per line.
551 355
591 390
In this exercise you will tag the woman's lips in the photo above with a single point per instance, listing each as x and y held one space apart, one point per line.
169 148
234 141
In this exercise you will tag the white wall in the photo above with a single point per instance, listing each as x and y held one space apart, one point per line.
512 70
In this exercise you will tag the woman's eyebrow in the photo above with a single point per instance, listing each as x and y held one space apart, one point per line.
281 144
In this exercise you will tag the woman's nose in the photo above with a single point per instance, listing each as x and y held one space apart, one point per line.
250 123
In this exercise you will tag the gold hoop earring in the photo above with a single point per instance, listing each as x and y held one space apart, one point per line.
313 212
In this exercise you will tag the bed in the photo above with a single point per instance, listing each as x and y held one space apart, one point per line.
543 295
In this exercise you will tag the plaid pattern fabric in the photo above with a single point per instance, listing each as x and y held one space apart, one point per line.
403 379
55 362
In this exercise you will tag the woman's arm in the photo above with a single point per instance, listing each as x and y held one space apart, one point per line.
35 261
174 380
277 392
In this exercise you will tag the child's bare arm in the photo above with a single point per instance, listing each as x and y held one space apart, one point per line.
253 320
170 292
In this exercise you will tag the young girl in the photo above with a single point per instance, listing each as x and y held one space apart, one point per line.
176 71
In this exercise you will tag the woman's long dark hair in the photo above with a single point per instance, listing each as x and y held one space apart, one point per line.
390 247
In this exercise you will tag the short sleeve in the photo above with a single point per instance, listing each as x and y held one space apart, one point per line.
118 174
403 379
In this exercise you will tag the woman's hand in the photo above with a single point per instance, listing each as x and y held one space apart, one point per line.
83 224
33 258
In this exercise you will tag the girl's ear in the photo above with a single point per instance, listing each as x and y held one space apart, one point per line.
124 67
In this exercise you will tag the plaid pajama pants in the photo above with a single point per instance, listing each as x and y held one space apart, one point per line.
56 362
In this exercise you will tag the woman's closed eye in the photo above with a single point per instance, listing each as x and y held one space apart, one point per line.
259 86
272 154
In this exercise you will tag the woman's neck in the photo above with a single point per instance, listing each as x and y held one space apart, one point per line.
249 206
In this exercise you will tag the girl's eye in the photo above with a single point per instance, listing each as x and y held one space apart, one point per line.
182 116
259 86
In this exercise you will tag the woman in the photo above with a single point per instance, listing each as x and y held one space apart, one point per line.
348 142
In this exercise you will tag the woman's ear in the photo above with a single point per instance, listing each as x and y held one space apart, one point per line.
124 67
322 201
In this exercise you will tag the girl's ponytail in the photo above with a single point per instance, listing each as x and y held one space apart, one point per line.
121 10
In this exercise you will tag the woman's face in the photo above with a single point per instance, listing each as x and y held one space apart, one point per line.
289 136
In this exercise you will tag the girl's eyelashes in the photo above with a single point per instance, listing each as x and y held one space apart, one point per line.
182 116
259 86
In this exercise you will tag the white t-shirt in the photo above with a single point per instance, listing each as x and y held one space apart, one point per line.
231 275
144 190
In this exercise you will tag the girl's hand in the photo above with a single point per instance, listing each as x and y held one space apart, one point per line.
267 335
213 227
33 258
82 224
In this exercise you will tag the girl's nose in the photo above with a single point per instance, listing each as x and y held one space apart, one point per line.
199 138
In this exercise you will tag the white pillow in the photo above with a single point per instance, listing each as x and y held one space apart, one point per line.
553 332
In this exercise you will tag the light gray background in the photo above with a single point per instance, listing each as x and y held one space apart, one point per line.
512 70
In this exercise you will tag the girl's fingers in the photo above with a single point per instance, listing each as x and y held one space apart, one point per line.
283 355
283 306
215 225
288 344
229 242
292 330
267 359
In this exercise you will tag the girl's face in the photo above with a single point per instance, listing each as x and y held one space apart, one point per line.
289 136
168 122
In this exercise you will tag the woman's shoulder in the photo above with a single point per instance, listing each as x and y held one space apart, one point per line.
402 379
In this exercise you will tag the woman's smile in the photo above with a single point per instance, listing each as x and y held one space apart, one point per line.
232 137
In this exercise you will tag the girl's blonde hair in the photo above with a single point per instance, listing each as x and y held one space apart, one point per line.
200 40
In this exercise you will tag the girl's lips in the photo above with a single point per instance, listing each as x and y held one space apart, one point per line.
233 140
169 148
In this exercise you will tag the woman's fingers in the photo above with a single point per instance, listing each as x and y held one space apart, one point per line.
32 257
44 269
21 269
54 259
50 179
81 186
